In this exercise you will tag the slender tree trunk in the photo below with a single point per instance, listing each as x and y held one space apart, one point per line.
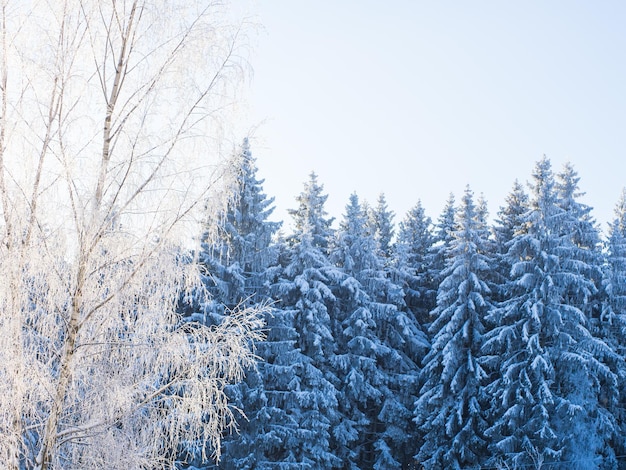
65 374
120 71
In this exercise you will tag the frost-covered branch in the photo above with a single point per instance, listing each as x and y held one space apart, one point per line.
109 143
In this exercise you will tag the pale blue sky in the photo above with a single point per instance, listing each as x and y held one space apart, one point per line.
417 98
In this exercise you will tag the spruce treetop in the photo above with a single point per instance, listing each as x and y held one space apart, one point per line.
311 216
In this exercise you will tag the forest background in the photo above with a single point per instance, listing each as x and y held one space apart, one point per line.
454 344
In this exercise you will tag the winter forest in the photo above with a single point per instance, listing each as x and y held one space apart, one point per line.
458 343
153 315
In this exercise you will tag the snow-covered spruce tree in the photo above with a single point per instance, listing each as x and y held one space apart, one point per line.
547 399
613 321
444 229
449 411
236 248
583 251
412 260
311 216
509 224
273 396
381 220
579 229
280 436
482 217
614 310
101 119
378 349
238 260
308 262
303 294
438 256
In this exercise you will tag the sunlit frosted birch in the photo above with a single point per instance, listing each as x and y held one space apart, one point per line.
112 119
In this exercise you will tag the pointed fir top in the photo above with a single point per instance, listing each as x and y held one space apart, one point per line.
568 183
354 219
382 220
311 216
544 200
446 222
469 216
618 226
542 184
416 225
472 216
250 196
482 211
569 192
241 232
516 202
510 221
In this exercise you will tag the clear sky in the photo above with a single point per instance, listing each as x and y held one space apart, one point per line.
417 99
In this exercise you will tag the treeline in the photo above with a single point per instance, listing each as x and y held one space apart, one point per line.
458 343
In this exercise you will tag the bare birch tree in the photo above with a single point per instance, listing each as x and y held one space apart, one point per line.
108 111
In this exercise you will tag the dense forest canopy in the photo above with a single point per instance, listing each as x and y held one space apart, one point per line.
467 342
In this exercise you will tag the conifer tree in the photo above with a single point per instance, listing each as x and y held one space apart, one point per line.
550 379
614 312
489 248
444 228
383 229
305 297
580 231
449 410
378 348
360 381
276 437
446 223
239 259
237 252
311 216
482 212
581 253
412 263
509 224
613 321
